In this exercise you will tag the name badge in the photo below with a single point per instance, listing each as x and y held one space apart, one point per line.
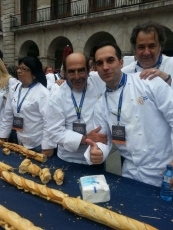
118 134
18 123
79 128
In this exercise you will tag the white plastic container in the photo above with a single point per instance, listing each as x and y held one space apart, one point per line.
94 188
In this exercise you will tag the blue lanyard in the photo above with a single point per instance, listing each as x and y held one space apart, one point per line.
157 65
78 109
19 105
122 83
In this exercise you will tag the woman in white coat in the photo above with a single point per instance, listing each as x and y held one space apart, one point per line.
26 105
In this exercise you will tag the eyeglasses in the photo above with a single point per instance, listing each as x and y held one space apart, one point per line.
22 68
80 72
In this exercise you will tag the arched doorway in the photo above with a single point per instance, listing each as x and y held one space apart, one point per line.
95 39
29 48
55 50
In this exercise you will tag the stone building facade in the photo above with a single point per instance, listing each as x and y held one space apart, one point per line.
44 27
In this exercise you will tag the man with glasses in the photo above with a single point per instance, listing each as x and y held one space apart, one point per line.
69 117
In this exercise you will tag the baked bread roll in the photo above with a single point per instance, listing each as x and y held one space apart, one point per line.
34 169
58 176
33 187
11 220
103 215
23 167
6 151
5 167
24 151
45 175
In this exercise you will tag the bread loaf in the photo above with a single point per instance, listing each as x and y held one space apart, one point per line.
33 187
5 167
24 151
6 151
23 167
103 215
45 175
34 169
58 176
12 221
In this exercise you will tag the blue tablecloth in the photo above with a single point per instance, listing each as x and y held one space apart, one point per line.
128 197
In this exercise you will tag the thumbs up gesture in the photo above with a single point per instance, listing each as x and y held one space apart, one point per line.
96 155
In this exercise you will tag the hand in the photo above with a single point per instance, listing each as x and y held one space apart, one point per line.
96 155
47 152
152 73
59 82
95 136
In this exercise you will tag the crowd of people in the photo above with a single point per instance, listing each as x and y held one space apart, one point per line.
95 102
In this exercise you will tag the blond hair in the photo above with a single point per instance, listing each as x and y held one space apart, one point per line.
4 75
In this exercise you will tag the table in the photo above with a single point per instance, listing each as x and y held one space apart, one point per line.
128 197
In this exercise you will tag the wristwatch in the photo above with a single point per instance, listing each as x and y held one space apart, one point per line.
167 79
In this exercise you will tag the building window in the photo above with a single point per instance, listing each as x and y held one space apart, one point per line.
28 11
60 8
99 5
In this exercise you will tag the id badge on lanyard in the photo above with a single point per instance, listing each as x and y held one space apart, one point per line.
18 120
118 134
79 128
17 123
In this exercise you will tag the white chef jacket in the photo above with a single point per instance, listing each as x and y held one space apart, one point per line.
166 66
147 114
32 111
61 115
11 82
51 79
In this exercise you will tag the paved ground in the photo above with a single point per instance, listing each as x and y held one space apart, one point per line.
113 163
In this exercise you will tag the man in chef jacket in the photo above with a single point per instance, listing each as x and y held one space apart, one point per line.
136 115
69 120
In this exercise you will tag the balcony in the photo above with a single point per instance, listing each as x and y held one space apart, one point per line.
80 11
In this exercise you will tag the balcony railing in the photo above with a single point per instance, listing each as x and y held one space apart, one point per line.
74 8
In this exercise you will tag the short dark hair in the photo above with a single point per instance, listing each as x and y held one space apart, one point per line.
107 43
36 68
147 27
86 63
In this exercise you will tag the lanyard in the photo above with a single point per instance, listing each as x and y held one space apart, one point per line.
122 83
19 105
78 109
157 65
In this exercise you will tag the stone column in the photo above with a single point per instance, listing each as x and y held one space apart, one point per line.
8 7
